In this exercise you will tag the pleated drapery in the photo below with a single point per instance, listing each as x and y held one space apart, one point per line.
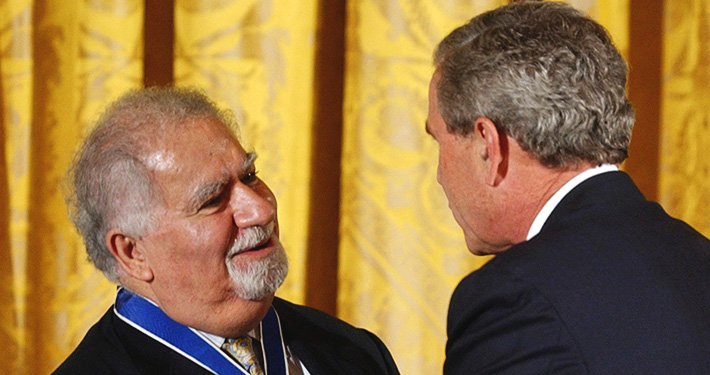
60 63
333 97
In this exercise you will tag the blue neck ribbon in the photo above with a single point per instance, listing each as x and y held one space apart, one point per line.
152 321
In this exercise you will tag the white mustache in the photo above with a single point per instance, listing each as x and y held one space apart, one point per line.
250 238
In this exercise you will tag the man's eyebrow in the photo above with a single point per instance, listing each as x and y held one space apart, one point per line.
205 192
249 161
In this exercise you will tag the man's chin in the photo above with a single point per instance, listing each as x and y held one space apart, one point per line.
251 296
255 295
259 278
482 249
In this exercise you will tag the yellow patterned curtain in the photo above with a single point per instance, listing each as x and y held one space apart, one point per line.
333 97
401 251
684 162
253 58
60 62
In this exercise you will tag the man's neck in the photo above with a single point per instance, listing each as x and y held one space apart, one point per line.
240 322
536 185
561 192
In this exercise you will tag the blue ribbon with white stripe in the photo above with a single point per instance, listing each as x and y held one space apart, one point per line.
151 320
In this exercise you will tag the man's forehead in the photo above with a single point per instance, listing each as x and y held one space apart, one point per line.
191 143
160 160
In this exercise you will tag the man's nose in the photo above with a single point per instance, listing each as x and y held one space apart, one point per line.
252 207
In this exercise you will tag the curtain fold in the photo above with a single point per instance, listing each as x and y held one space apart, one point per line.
338 123
15 102
401 251
60 63
684 177
256 58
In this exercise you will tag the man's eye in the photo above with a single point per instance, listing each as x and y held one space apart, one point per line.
213 202
249 178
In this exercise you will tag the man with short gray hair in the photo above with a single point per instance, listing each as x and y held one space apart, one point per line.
528 105
170 207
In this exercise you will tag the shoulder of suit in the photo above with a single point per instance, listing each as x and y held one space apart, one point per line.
299 317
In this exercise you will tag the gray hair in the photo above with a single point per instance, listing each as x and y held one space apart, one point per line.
110 186
545 74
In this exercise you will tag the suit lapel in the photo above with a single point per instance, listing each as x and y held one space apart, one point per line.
322 352
151 356
327 357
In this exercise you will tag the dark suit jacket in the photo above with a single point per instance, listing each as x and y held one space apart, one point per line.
323 343
611 285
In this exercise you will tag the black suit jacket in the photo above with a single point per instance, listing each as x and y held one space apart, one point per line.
610 285
323 343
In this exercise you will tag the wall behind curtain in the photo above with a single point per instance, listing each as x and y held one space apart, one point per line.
333 97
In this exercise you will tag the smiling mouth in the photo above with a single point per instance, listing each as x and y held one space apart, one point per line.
255 240
263 245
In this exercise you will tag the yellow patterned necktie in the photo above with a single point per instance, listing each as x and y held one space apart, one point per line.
242 350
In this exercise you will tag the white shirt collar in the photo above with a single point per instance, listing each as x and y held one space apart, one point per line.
255 334
555 199
219 340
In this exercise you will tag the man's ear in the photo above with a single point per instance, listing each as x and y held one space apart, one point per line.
124 248
495 150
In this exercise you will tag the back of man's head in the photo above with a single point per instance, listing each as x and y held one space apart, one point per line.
545 74
111 184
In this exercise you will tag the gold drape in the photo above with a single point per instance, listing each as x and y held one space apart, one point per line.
60 62
684 178
400 254
253 58
401 250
